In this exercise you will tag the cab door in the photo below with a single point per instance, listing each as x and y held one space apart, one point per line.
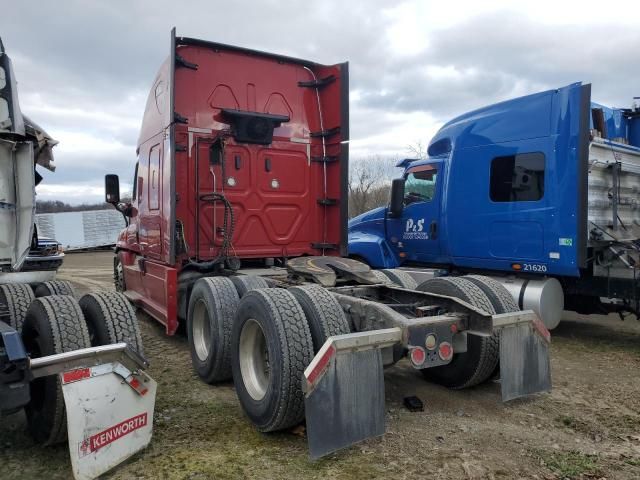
416 234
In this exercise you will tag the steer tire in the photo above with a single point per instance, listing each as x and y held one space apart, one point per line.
246 283
212 308
111 319
54 287
498 295
15 298
324 314
53 325
118 274
271 347
400 278
478 363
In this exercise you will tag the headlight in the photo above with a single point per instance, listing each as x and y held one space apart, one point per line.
60 249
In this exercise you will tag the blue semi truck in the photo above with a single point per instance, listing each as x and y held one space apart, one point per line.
540 192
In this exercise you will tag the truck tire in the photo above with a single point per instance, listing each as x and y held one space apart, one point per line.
118 274
498 295
246 283
400 278
478 363
212 308
271 346
382 278
53 324
16 298
54 287
501 300
323 312
111 319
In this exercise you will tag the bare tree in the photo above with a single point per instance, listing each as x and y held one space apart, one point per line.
369 180
418 150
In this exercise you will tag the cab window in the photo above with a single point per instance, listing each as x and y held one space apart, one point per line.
420 184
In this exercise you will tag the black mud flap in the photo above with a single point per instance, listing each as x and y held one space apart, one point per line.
525 367
344 390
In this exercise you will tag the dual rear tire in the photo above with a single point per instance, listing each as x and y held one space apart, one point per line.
57 324
481 360
262 337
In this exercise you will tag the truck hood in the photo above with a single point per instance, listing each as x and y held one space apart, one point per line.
366 217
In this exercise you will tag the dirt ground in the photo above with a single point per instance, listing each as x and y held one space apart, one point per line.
587 427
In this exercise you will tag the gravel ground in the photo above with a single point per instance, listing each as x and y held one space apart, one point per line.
588 427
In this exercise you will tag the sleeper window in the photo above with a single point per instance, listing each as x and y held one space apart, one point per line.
517 178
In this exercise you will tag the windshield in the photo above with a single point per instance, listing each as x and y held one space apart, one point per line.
420 184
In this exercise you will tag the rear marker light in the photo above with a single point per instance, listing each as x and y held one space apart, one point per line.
445 351
418 356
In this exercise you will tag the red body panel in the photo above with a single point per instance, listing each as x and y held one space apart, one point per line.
285 202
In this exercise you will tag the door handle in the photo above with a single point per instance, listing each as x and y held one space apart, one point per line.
433 230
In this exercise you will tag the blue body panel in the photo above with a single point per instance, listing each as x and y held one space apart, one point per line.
369 241
473 230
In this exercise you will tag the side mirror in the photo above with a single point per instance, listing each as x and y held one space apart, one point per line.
111 189
396 203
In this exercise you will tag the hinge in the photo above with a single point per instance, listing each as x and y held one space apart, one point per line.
180 148
181 62
179 118
325 133
327 159
319 83
328 201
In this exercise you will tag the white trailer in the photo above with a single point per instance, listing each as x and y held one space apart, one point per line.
83 229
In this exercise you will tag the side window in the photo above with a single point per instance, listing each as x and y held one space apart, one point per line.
420 184
134 195
517 178
154 178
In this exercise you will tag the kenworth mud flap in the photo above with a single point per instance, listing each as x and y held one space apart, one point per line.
344 383
109 401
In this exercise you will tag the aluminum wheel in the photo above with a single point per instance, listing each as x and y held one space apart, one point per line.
254 359
201 330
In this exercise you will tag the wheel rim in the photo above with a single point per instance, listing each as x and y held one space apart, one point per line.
254 359
201 330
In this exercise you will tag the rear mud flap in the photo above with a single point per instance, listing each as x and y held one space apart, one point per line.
344 391
524 359
109 416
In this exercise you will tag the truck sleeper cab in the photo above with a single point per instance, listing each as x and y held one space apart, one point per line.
538 191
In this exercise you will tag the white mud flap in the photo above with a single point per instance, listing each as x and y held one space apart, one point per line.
524 356
109 416
344 390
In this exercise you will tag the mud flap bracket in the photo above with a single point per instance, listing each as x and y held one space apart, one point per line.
344 390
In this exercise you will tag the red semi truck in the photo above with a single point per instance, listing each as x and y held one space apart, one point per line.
237 229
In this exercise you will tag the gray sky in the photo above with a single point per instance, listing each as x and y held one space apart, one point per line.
84 68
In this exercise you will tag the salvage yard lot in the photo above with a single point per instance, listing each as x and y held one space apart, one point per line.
588 427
